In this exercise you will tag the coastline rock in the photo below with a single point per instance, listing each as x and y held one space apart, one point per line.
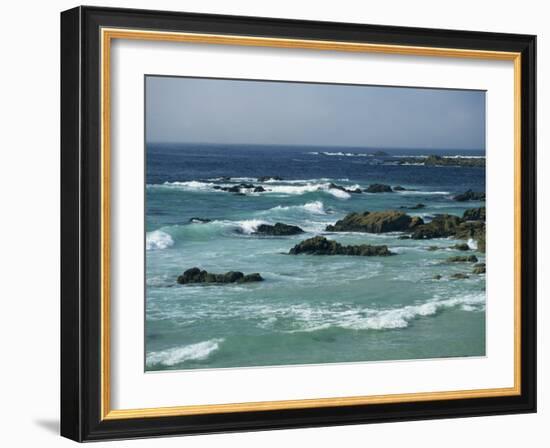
435 160
258 189
399 188
196 220
472 230
479 268
462 259
474 214
459 276
196 275
470 195
375 222
319 245
379 188
414 207
278 229
441 226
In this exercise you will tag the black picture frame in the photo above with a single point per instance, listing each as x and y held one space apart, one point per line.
81 224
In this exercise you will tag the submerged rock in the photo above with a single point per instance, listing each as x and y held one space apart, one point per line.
474 214
196 275
461 246
379 188
258 189
437 277
341 188
433 248
279 229
195 220
414 207
399 188
319 245
470 195
459 276
376 222
479 268
462 259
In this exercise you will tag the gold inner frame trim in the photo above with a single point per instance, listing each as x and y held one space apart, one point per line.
107 35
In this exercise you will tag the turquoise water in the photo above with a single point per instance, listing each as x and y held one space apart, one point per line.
309 309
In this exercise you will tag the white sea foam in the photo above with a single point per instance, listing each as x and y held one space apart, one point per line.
339 193
192 185
315 207
249 226
472 244
179 355
157 239
417 192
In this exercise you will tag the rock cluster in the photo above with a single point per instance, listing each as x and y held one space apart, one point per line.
376 222
319 245
470 195
196 275
378 188
278 229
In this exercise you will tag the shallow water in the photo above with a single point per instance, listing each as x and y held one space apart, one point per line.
309 309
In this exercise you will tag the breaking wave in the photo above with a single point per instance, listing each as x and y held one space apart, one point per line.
179 355
158 239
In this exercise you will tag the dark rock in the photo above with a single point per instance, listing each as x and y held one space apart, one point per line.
474 230
414 207
379 188
195 275
279 229
479 268
341 188
321 246
380 153
461 246
463 259
255 277
459 276
375 222
266 178
433 248
195 220
441 226
435 160
399 188
474 214
437 277
470 195
404 237
259 189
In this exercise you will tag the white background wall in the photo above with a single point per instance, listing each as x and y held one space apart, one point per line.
29 223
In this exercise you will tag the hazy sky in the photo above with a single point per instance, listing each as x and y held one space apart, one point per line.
194 110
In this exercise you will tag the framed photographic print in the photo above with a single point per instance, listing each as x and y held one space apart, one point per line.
272 223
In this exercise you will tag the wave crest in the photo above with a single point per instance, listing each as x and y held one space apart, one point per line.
157 239
179 355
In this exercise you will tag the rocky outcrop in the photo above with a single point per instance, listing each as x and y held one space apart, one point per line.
435 160
399 188
459 276
278 229
474 214
376 222
470 195
462 259
441 226
196 275
479 268
319 245
378 188
239 187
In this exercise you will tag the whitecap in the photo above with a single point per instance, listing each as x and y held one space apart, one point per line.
472 244
158 239
315 207
178 355
249 226
339 193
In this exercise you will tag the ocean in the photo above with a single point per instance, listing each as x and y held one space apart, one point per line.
309 309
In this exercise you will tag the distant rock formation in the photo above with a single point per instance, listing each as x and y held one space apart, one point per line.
319 245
